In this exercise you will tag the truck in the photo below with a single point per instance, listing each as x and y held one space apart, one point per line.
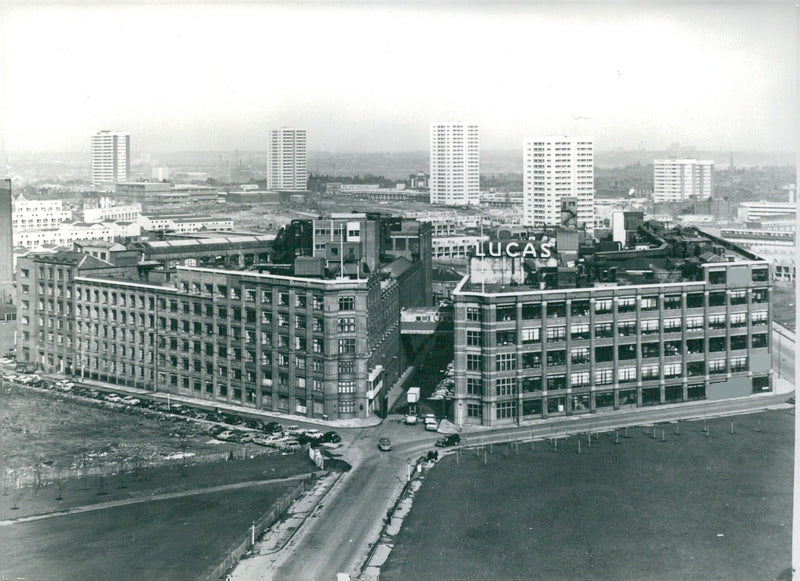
412 397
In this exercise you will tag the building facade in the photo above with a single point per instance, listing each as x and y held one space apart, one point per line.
70 232
679 180
287 165
111 156
553 168
454 164
106 211
299 341
6 241
616 340
37 214
759 211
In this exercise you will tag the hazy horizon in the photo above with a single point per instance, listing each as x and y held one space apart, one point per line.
205 77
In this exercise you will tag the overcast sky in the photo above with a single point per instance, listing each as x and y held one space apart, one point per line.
213 77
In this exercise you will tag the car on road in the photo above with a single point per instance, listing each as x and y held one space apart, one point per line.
331 437
384 444
449 440
130 400
431 424
410 419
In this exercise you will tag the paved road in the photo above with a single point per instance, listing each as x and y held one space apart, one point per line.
783 350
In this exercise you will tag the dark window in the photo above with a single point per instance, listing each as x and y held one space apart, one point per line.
507 313
717 276
530 384
694 346
556 310
627 351
555 358
759 340
604 354
717 344
694 300
738 342
696 368
532 311
579 308
672 348
760 274
672 302
716 299
651 350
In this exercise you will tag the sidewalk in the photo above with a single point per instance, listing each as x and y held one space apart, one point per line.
267 552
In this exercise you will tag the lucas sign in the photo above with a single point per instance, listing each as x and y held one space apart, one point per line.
521 249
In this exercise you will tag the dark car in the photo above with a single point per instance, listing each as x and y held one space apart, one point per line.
254 424
385 444
273 428
232 420
449 440
331 437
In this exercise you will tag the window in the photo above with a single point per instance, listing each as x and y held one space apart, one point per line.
626 351
316 302
347 407
650 327
579 308
579 379
556 333
604 376
506 337
716 321
473 362
697 368
738 297
506 313
532 311
300 301
738 364
283 299
347 346
716 299
602 354
506 385
626 374
650 372
506 362
347 303
717 366
759 340
579 332
672 302
738 342
694 346
695 300
555 310
672 370
531 360
760 274
556 382
473 338
473 314
626 305
531 384
672 348
649 303
758 318
580 355
672 325
474 410
556 358
474 386
266 297
603 306
760 295
694 323
347 386
506 409
531 335
316 385
627 328
717 276
603 331
650 350
347 325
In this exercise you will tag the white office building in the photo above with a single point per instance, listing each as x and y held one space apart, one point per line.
111 157
37 214
287 164
678 180
455 164
556 167
759 211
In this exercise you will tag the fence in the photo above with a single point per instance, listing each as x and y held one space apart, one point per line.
240 547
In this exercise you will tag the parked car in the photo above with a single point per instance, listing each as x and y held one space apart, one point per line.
254 424
130 400
313 435
244 437
215 430
263 440
331 437
292 446
449 440
232 420
293 430
112 397
431 425
411 419
273 428
384 444
227 436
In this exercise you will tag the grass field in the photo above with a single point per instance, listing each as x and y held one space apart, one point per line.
170 539
688 507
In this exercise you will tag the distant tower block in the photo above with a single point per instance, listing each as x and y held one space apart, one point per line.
6 246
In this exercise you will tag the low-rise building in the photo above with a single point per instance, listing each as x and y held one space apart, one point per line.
37 214
69 232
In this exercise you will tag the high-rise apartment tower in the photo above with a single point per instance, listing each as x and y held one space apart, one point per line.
455 164
287 165
678 180
556 167
111 156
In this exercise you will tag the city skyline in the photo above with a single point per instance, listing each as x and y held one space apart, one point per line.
361 78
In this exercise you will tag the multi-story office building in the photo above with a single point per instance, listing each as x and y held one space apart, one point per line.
679 180
318 336
759 211
685 319
111 156
455 164
556 167
287 166
37 214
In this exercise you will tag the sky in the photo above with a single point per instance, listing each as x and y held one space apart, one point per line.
373 77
